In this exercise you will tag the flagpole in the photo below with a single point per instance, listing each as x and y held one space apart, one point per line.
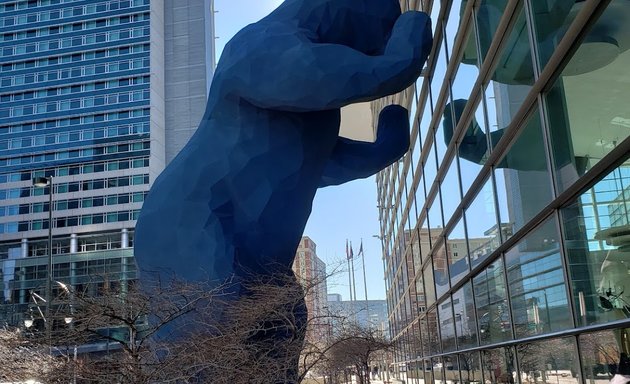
354 280
349 276
367 305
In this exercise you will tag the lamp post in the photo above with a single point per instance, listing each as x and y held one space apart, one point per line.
43 182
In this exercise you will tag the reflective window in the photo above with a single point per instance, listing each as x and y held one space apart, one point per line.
499 365
536 280
465 320
473 148
430 168
440 271
488 16
435 217
493 314
483 232
470 367
434 334
447 325
601 354
428 284
587 113
457 252
512 78
596 228
551 20
449 189
438 370
523 180
548 361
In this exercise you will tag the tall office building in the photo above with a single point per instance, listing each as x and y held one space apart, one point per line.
506 226
96 96
365 313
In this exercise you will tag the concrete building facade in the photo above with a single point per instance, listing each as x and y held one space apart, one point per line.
91 98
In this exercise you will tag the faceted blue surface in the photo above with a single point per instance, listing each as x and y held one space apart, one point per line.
234 203
236 199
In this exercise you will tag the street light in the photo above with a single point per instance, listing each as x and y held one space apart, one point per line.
42 182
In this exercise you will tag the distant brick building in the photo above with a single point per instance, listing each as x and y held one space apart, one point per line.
310 270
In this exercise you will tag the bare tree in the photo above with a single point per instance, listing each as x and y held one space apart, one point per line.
22 359
354 348
179 332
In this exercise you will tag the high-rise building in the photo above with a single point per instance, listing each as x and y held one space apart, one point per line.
505 227
310 271
365 313
96 96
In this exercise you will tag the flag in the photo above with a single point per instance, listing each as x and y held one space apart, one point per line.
349 252
360 248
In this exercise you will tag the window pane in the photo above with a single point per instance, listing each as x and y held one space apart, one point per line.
465 321
493 314
596 228
499 365
447 326
470 367
549 361
440 271
601 355
537 287
587 113
483 234
523 180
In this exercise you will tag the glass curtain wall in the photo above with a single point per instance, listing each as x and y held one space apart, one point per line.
519 179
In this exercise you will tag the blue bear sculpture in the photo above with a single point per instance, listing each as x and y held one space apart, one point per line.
236 199
234 202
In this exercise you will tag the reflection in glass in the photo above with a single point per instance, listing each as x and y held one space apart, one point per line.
548 361
449 189
425 120
483 234
438 76
436 223
447 328
434 333
465 320
426 338
470 367
551 20
488 17
597 229
468 69
536 278
525 184
493 314
499 365
418 299
440 143
429 287
430 168
457 252
588 113
601 355
451 371
440 271
470 169
415 340
438 370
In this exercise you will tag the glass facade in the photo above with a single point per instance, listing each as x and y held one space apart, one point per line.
82 103
506 227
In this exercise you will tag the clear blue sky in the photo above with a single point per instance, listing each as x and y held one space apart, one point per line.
348 211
